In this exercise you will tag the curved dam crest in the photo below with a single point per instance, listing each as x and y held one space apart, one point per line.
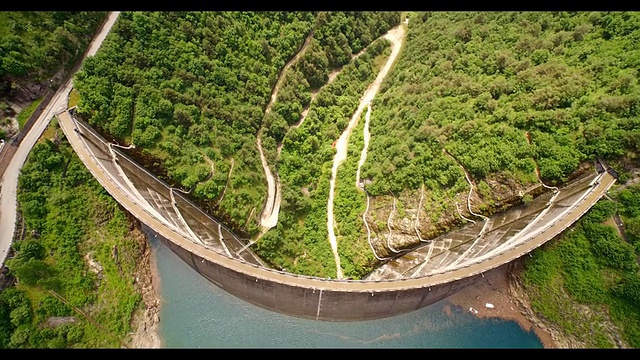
412 281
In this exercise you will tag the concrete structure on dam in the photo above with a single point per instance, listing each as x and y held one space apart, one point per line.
414 280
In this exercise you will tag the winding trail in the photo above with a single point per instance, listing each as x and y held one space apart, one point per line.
462 216
363 158
226 184
389 226
396 36
416 223
484 218
332 75
471 187
363 154
271 210
211 163
366 224
554 188
269 215
315 93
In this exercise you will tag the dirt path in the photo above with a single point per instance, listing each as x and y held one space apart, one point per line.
268 218
363 154
416 223
396 36
528 136
269 215
471 187
227 183
211 163
332 75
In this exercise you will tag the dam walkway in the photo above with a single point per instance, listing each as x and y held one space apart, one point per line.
516 231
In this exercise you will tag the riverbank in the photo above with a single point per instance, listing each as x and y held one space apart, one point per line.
499 294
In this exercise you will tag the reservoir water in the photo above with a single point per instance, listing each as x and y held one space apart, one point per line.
197 314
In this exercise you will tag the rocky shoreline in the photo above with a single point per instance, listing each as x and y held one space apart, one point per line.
499 294
146 320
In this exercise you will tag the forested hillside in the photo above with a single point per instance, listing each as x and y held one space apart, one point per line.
193 87
587 283
474 83
513 99
502 93
35 44
299 242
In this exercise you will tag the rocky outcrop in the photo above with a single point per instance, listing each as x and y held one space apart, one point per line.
394 228
397 229
24 93
145 320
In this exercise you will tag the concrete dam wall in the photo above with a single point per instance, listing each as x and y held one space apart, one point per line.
307 301
213 250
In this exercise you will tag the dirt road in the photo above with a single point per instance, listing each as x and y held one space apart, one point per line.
396 36
269 216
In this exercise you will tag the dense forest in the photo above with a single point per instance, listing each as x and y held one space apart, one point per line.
77 264
193 87
34 45
474 83
305 168
198 94
503 94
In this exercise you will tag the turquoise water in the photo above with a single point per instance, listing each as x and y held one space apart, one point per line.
197 314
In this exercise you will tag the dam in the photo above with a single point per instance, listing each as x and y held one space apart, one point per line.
414 280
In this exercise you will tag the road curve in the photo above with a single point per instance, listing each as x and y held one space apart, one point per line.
269 215
9 181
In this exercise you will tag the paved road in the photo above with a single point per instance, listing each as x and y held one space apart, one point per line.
9 181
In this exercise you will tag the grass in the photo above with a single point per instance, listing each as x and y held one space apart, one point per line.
50 131
569 287
26 113
74 98
110 302
546 285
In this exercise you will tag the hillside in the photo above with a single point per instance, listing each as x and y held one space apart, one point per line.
496 105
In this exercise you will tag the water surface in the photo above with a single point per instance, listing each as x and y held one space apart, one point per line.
197 314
